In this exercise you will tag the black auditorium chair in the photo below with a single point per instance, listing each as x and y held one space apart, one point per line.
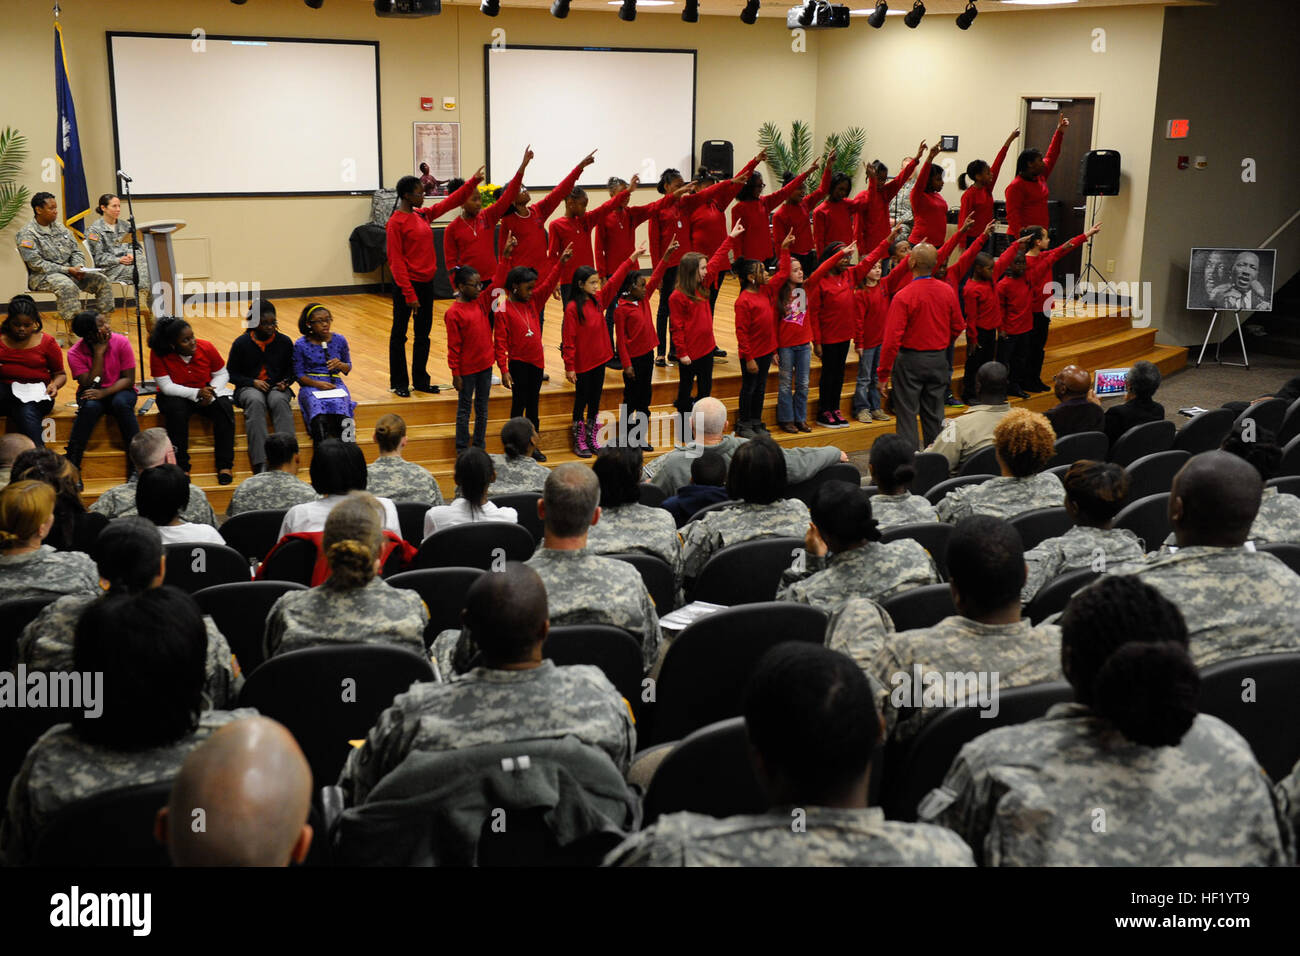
1148 518
1145 439
1152 474
1269 715
253 533
1268 415
931 535
937 493
652 495
925 606
443 591
708 772
113 829
746 573
240 611
983 462
658 578
1056 593
1038 525
410 518
477 545
1205 431
931 468
194 566
1090 446
615 651
525 505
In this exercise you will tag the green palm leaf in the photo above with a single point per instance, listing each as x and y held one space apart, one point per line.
771 139
13 156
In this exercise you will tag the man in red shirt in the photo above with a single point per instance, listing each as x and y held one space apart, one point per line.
923 318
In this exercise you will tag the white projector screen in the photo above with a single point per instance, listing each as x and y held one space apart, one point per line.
245 116
637 107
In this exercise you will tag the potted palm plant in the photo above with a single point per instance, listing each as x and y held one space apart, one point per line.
13 154
796 154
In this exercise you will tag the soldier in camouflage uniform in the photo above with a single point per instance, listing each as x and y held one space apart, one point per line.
814 735
394 478
890 511
148 448
1278 520
1130 775
1025 443
55 260
272 490
706 535
625 524
531 700
47 573
986 637
892 467
517 475
858 630
109 244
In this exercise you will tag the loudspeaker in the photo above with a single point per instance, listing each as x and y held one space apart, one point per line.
1099 173
717 157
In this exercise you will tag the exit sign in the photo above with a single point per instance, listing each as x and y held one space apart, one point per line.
1178 129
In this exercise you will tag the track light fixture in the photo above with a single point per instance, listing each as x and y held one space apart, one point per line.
750 13
913 18
314 4
490 8
691 12
877 16
560 9
627 11
967 16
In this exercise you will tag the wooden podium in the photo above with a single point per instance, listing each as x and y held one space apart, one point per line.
156 237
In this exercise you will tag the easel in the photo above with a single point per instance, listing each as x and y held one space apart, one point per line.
1218 346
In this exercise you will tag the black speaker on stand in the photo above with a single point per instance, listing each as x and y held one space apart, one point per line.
717 156
1099 174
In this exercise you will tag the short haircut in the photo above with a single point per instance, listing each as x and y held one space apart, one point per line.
389 432
151 648
757 472
1264 453
618 469
161 493
1025 441
1220 494
517 436
991 380
332 470
570 495
1144 379
709 468
986 563
13 444
842 512
708 417
85 323
40 199
149 447
892 463
810 715
1097 488
506 613
280 449
128 554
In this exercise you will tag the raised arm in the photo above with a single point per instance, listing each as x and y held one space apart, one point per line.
824 269
772 200
494 212
548 203
657 276
996 168
597 215
1054 148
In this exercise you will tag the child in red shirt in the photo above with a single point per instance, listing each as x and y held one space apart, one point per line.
469 349
637 341
192 379
1039 261
584 340
756 335
691 320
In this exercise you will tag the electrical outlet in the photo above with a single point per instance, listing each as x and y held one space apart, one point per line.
1110 266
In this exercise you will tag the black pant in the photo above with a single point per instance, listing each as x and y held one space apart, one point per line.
527 379
985 350
587 392
1037 346
636 393
834 355
121 405
176 414
700 370
397 337
713 295
661 314
1012 354
566 293
473 396
753 386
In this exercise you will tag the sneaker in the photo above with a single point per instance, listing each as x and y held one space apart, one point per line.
878 415
803 426
828 420
863 416
790 427
839 417
953 402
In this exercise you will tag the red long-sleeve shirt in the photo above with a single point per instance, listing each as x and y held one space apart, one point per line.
795 326
530 229
833 222
963 264
895 280
672 219
691 320
517 334
873 206
929 210
873 307
796 217
469 329
577 230
756 241
1013 300
468 242
833 305
1027 198
634 323
983 310
614 238
756 314
1038 273
709 220
411 255
585 344
977 200
925 317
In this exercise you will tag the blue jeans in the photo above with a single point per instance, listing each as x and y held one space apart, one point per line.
792 402
474 391
866 394
25 417
121 405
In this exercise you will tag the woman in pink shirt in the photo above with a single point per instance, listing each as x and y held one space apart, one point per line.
104 366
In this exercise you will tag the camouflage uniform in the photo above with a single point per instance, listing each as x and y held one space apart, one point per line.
1032 795
672 471
833 837
637 527
708 534
270 491
402 481
46 645
517 475
119 502
1278 521
1288 796
107 245
1020 654
875 571
1002 497
49 252
1078 548
47 573
1236 602
890 511
587 588
493 707
859 630
375 614
61 769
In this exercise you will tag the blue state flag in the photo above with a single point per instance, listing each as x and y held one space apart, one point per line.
76 201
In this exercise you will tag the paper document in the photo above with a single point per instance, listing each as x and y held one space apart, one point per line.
29 391
330 392
689 614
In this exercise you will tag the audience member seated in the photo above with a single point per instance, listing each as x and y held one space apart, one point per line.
28 568
160 494
972 430
103 366
517 470
892 469
354 605
1177 788
192 379
1025 443
12 444
253 785
1138 406
1079 408
671 472
512 694
474 476
843 556
149 448
261 369
812 727
1094 493
336 468
859 629
393 477
129 559
277 487
1237 602
626 524
756 478
147 713
987 636
75 528
31 369
708 487
1278 521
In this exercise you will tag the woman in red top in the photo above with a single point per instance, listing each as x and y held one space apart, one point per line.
468 240
756 335
795 216
518 336
692 320
635 327
1038 276
929 208
470 348
873 202
1027 193
28 357
584 340
977 198
192 379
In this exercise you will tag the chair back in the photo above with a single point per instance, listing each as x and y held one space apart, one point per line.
652 495
1038 525
443 591
1268 415
925 606
1205 431
240 611
931 468
294 559
983 462
1092 446
193 567
114 828
612 649
657 575
1148 518
747 572
1152 474
931 535
708 772
937 493
253 533
410 518
1268 718
525 505
1056 593
481 544
1145 439
840 471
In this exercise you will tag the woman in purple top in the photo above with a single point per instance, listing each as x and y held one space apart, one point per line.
103 367
320 360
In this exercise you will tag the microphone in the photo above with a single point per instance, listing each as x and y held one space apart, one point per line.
124 177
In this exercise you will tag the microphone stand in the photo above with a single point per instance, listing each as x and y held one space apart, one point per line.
146 386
